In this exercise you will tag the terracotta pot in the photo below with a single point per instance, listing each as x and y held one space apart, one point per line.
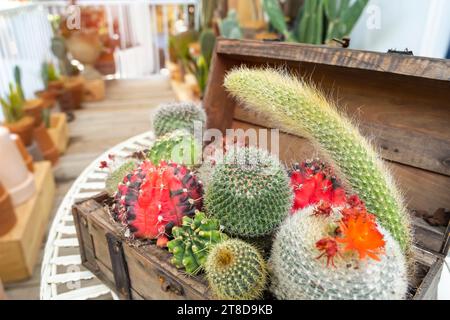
23 128
55 85
33 108
7 215
45 144
48 97
71 95
26 156
15 177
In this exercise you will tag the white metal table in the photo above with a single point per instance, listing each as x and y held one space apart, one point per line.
62 275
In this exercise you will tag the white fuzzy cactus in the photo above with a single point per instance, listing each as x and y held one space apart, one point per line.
298 273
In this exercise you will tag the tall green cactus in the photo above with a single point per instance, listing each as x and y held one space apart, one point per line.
277 19
207 43
310 28
18 80
12 105
300 109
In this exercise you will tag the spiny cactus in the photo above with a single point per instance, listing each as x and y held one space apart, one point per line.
236 271
178 146
249 192
193 241
154 198
116 176
313 181
301 109
13 104
180 115
315 257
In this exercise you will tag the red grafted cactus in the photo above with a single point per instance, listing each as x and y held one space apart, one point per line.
153 199
313 181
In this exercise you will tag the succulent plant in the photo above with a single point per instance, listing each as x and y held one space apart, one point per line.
193 240
13 104
18 81
236 271
277 19
229 27
300 109
181 115
116 176
313 181
154 198
207 43
178 146
249 192
314 256
48 73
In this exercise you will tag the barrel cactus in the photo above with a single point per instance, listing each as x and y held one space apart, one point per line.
153 199
193 241
323 252
180 115
300 109
177 146
116 176
236 271
249 192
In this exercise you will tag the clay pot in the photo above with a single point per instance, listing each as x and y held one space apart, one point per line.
71 95
23 152
46 144
55 85
15 177
7 215
33 108
23 128
48 98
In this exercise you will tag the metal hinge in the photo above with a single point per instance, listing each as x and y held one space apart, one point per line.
119 266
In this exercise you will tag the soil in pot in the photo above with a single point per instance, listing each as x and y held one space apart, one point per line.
23 128
7 214
45 144
23 152
33 108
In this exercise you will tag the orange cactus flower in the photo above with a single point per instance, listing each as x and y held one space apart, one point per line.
360 233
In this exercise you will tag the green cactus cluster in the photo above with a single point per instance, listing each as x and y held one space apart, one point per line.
193 240
180 115
249 192
178 146
229 27
236 271
300 109
298 273
13 104
116 176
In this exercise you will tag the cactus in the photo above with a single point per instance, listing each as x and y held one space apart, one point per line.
193 241
277 19
178 146
207 43
299 269
207 13
313 181
310 27
13 104
249 192
236 271
154 198
59 50
173 116
116 176
229 27
18 81
300 109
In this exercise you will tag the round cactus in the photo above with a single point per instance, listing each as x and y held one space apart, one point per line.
316 257
153 199
249 192
177 146
236 271
116 176
193 240
173 116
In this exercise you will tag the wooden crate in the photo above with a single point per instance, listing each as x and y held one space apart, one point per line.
59 131
145 272
20 247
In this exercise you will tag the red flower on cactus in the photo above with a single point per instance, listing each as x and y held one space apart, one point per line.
323 209
329 248
313 182
153 199
103 165
359 232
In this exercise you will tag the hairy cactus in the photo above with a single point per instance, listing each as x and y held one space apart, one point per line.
193 241
300 109
154 198
116 176
178 146
313 181
249 192
315 257
236 271
173 116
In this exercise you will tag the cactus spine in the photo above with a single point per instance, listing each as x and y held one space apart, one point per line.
193 241
236 271
298 272
249 192
300 109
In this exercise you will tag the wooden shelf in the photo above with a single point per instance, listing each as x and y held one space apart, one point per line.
19 249
59 131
